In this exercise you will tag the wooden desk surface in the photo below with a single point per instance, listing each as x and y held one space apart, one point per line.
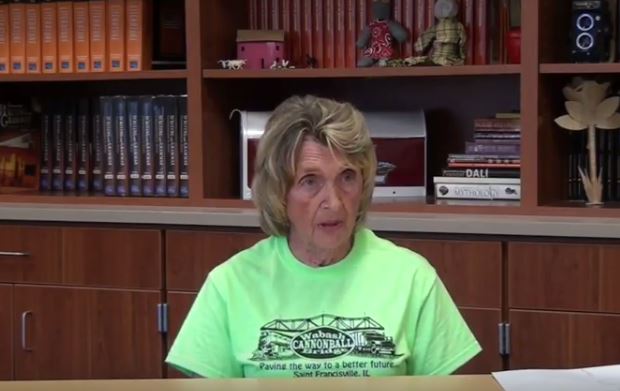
433 383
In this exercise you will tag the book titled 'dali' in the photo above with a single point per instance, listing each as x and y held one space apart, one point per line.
477 188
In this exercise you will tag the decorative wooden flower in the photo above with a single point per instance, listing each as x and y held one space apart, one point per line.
588 109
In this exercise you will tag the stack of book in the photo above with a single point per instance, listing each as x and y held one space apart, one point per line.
489 169
65 36
116 145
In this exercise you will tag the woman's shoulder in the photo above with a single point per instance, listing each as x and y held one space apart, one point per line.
394 256
252 257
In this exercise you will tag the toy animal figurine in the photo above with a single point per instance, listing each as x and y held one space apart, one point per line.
233 64
377 38
282 64
446 39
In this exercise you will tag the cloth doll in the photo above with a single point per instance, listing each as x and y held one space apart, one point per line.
377 38
446 39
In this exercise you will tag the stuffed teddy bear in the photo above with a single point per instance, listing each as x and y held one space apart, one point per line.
378 36
446 39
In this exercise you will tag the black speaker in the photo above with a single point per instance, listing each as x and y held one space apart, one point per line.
590 31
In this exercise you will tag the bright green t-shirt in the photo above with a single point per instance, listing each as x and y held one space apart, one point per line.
381 311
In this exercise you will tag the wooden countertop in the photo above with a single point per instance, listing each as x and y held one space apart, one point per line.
431 383
452 223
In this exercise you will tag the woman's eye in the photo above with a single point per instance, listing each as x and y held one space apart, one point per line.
349 176
308 180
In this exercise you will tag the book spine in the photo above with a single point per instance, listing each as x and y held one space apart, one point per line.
340 47
350 34
482 148
46 149
483 165
477 191
263 12
17 28
183 148
135 158
274 15
513 124
317 32
65 37
70 147
481 173
362 16
329 34
467 18
121 146
139 26
295 35
253 14
116 35
98 35
109 158
306 32
49 39
147 146
84 169
159 141
172 147
408 24
58 154
481 33
33 36
98 159
81 36
5 38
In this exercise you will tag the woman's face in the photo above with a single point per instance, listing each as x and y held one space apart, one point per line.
324 199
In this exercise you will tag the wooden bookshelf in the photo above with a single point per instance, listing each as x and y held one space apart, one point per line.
451 97
421 71
172 74
580 68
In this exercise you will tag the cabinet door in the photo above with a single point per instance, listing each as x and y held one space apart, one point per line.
544 339
564 276
179 304
483 323
471 271
79 333
30 254
95 256
6 332
190 255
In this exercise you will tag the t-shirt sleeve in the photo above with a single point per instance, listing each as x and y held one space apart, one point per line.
203 347
442 341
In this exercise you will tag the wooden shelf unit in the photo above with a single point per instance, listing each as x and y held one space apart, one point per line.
450 96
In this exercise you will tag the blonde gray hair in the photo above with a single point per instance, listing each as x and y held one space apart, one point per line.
337 125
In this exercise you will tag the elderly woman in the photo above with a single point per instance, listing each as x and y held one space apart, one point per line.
322 295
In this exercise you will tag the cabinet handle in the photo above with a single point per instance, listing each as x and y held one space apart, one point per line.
24 324
14 254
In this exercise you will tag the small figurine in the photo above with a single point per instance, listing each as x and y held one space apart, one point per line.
378 36
232 64
447 37
281 64
311 62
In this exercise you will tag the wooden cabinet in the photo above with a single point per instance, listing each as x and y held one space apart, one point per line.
179 304
94 256
462 266
82 333
190 255
545 339
564 276
6 332
562 297
30 254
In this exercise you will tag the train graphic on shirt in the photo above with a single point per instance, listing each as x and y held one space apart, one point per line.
322 337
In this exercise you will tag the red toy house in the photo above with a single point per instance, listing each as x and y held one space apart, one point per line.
261 48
